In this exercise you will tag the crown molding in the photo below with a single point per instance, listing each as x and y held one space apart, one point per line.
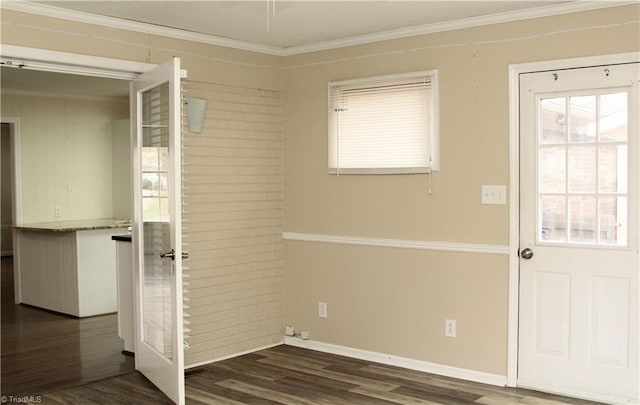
511 16
129 25
118 23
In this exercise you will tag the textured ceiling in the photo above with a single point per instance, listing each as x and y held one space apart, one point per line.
287 24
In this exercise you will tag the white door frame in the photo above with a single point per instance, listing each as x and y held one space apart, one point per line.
514 182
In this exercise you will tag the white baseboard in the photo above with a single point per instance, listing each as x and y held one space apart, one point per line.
230 356
412 364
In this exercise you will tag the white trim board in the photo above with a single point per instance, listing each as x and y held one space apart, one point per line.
73 63
399 243
411 364
118 23
515 71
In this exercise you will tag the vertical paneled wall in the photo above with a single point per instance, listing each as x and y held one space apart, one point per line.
65 154
233 220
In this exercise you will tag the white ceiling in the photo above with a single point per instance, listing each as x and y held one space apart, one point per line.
295 26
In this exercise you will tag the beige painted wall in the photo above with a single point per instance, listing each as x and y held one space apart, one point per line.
65 141
396 301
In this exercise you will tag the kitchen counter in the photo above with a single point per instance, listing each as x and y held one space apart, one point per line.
68 266
77 225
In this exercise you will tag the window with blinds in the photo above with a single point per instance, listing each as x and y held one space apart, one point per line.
383 125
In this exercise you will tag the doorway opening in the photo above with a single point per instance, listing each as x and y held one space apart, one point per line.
72 163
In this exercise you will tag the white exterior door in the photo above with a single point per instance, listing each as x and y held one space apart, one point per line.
157 248
579 244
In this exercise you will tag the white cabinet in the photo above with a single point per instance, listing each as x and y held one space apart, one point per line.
68 267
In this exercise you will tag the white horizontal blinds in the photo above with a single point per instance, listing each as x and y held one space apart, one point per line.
381 125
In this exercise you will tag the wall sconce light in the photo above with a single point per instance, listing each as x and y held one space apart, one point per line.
195 113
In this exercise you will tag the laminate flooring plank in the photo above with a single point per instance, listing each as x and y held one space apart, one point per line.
416 385
277 396
327 391
286 358
195 395
253 367
312 388
339 376
391 396
446 382
434 396
211 386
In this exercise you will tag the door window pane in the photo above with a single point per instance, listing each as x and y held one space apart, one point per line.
612 168
613 219
582 119
553 119
582 168
553 219
553 169
613 117
582 219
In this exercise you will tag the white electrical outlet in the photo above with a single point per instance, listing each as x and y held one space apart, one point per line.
322 309
290 330
494 195
450 327
58 212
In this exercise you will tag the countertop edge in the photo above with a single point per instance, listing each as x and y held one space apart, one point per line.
73 226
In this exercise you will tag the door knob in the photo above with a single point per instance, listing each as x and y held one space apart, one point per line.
526 254
172 255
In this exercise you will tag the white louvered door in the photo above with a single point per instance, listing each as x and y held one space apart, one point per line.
157 229
579 223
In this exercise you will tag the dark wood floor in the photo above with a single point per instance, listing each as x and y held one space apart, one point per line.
290 375
70 361
43 351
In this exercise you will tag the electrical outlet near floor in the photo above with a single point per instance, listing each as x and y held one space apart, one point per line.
322 309
450 327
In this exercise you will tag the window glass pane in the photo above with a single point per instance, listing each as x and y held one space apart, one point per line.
163 184
151 209
582 219
553 119
553 219
150 184
582 119
164 209
613 117
612 167
164 158
613 220
149 159
553 169
582 168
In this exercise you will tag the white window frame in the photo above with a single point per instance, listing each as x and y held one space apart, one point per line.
433 165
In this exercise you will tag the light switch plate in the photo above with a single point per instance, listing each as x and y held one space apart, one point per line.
494 195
